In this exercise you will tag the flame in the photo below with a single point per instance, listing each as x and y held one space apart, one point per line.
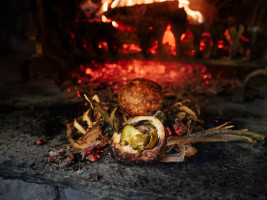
124 3
194 17
168 39
104 8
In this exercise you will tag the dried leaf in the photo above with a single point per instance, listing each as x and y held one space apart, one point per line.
173 157
188 127
190 112
87 118
181 103
114 120
186 101
96 98
103 112
79 127
198 109
181 115
189 150
91 138
182 151
85 96
97 112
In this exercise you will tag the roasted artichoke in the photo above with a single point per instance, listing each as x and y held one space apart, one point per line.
141 141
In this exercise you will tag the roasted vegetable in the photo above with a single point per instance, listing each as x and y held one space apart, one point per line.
140 97
140 137
141 141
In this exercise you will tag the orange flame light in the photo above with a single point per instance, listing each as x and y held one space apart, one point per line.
193 17
111 75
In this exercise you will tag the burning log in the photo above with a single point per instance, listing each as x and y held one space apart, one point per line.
151 21
132 15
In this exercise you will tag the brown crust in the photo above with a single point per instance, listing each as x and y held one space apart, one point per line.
127 155
140 97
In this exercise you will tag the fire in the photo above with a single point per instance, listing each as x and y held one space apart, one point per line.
104 8
97 10
124 3
89 7
169 40
193 17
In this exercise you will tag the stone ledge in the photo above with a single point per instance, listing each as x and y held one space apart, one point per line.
11 189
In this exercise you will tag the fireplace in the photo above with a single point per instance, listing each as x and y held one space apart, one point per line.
62 53
169 28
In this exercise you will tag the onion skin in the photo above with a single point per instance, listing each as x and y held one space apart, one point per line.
140 97
127 155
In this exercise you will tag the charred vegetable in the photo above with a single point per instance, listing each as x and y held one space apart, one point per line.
142 140
140 97
139 138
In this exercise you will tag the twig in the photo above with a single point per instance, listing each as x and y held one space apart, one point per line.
213 135
221 126
189 112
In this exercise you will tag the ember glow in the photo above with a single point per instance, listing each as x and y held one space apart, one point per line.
168 39
95 11
112 74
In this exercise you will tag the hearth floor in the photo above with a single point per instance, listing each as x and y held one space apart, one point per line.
39 109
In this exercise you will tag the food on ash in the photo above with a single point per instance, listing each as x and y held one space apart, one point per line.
142 140
137 137
140 97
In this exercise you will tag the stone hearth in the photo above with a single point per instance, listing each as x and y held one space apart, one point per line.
39 109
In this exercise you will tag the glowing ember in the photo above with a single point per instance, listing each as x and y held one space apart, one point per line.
111 75
130 48
88 71
220 44
94 10
169 40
